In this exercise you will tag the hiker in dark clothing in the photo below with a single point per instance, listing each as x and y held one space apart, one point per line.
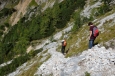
91 37
63 46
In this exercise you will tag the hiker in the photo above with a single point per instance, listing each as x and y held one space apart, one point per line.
64 43
92 36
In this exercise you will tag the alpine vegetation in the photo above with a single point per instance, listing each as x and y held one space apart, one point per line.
32 34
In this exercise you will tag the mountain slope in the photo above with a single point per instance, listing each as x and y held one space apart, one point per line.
79 60
97 61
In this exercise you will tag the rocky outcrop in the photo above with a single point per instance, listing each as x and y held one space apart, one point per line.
97 61
48 3
21 10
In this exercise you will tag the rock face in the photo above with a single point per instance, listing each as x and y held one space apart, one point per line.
96 61
2 4
21 10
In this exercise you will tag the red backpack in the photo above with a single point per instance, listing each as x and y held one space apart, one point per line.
95 31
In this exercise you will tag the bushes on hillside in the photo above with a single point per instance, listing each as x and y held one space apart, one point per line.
103 9
79 21
6 12
40 26
18 62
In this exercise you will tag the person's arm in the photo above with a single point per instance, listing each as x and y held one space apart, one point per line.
90 33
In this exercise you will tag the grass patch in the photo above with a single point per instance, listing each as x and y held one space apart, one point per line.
81 38
92 2
33 3
78 41
108 33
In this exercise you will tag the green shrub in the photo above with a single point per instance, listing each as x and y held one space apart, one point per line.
6 12
2 27
1 33
33 3
87 74
7 24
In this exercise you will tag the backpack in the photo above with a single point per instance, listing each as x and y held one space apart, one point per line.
95 31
